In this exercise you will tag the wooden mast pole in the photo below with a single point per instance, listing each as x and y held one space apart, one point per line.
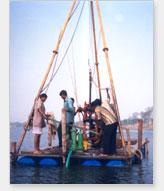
110 76
64 140
95 47
46 75
140 129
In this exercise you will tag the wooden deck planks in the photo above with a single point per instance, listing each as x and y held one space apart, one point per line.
90 154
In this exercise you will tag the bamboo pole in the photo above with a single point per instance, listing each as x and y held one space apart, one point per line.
13 147
110 76
95 47
140 128
49 135
46 75
75 89
146 147
90 86
128 139
64 141
13 151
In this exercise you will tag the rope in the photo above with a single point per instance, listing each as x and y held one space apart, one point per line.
75 86
92 54
98 87
140 155
74 10
90 36
47 86
53 74
98 45
68 45
70 73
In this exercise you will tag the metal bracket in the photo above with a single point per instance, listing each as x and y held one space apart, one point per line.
105 49
54 51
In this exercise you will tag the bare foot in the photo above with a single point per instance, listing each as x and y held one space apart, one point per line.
37 152
103 155
113 155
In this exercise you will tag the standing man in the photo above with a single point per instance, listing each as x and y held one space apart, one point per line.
38 121
105 112
74 108
68 107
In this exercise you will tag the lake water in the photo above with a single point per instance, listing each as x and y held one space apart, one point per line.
137 174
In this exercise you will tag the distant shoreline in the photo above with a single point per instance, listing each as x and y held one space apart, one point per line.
135 127
130 126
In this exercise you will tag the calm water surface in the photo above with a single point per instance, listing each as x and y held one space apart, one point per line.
138 174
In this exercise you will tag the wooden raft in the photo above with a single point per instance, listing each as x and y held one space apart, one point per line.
91 154
131 148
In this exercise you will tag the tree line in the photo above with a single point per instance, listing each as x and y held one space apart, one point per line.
146 116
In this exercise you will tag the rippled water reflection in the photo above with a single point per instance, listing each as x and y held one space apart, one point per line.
138 174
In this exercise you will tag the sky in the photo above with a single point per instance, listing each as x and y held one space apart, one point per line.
34 32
